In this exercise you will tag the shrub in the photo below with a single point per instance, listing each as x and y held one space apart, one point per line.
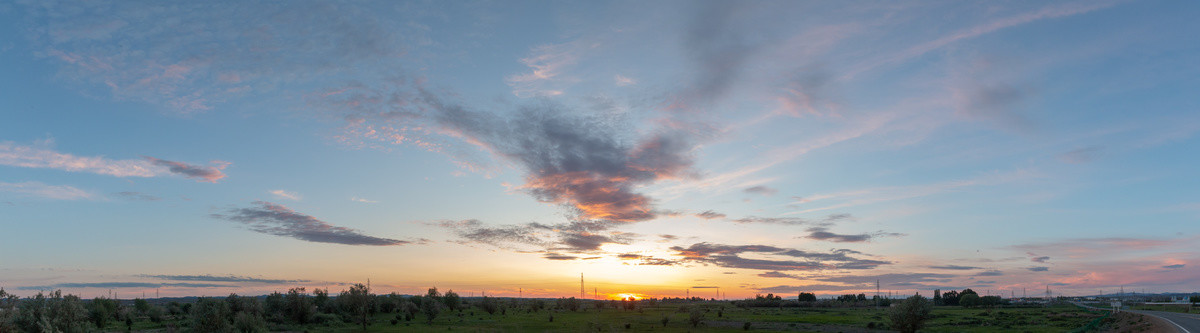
696 317
911 314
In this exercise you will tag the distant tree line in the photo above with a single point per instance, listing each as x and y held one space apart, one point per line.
295 310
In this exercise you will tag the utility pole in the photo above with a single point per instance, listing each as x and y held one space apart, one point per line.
580 285
520 293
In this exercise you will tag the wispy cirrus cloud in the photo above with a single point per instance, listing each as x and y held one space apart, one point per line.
955 267
730 256
546 64
1049 12
573 237
114 285
761 190
200 173
43 157
220 278
823 234
36 189
129 51
283 194
137 196
274 219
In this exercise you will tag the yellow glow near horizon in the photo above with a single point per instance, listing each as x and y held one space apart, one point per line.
628 295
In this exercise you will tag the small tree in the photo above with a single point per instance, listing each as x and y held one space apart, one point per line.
358 301
431 307
489 305
808 297
321 299
299 306
969 300
210 315
696 317
911 314
950 298
141 305
452 301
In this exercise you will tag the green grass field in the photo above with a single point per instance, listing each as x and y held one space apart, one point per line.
718 317
723 317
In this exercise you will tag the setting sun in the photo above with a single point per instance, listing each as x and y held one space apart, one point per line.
629 295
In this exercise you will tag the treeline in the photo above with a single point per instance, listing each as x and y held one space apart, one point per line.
294 310
966 298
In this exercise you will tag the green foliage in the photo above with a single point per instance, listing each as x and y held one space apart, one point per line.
141 305
51 312
969 300
430 306
489 305
274 307
358 302
321 299
911 314
100 310
807 297
571 304
247 322
696 316
210 315
950 298
452 301
298 306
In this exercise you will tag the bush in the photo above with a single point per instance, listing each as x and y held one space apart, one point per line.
696 317
911 314
746 326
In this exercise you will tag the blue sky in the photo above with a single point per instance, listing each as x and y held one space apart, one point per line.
202 149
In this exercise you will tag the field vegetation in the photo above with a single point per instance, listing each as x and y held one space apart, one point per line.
358 310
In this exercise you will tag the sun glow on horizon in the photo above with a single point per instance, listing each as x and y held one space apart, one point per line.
624 296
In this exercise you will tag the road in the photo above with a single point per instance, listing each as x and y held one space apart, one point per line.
1184 322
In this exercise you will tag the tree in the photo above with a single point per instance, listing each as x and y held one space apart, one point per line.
489 305
431 308
51 312
321 299
8 305
100 310
299 307
911 314
969 300
950 298
696 316
141 305
274 307
358 301
210 315
452 301
937 297
808 297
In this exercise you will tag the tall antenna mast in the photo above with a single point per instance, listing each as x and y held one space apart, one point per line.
520 293
581 285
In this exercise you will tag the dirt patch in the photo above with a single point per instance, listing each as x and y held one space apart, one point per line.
1127 322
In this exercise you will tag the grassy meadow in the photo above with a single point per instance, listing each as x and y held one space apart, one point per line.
722 317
